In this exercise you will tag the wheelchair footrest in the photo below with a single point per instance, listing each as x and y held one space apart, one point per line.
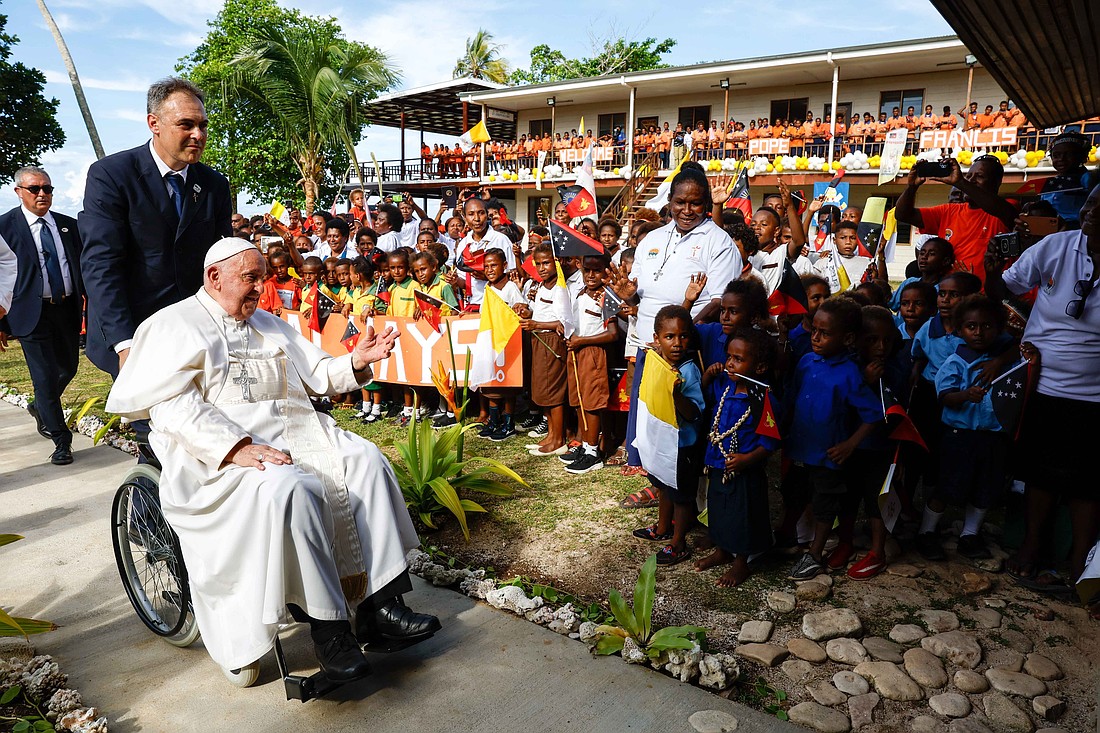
303 688
387 646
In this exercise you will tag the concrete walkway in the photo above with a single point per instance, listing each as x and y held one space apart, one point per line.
486 671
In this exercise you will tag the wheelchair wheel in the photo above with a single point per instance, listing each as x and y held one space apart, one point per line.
246 676
149 560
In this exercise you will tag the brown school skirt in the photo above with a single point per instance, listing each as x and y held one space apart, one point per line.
547 369
588 378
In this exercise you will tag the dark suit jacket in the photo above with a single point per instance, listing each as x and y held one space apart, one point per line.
26 304
138 255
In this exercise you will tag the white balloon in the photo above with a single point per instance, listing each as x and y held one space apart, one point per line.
751 172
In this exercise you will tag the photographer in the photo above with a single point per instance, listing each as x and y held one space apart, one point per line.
968 225
1058 427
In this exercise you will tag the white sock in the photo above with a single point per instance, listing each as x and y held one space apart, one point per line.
973 521
589 449
930 521
376 408
406 411
804 530
450 414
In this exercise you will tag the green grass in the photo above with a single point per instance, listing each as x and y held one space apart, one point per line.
89 380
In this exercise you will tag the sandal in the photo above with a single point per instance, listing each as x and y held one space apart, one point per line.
650 533
643 499
668 555
619 459
1048 582
633 471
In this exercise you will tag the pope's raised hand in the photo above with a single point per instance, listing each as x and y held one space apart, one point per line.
372 347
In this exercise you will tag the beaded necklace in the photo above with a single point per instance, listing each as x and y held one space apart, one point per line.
716 436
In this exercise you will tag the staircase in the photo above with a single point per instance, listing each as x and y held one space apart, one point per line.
639 189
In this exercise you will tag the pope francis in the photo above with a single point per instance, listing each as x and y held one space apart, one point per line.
278 511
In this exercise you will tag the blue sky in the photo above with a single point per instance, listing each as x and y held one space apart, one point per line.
120 46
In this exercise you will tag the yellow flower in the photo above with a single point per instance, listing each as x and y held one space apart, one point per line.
441 378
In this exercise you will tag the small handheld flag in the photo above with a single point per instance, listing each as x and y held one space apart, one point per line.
1007 394
789 298
323 305
431 309
476 134
904 427
279 213
610 305
351 335
568 242
760 404
868 235
739 194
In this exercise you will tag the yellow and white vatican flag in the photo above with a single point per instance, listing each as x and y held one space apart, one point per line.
563 304
476 134
664 191
279 213
658 433
498 323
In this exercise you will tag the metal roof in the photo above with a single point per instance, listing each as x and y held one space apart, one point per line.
894 58
436 108
1043 53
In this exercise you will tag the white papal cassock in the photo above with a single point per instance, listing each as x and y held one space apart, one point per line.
254 541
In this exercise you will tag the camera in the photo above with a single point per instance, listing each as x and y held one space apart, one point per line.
931 169
1009 245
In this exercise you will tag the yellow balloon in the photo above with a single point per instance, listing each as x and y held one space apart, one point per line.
492 177
615 171
770 168
825 167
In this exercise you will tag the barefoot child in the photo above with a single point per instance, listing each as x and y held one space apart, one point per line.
548 388
737 493
676 511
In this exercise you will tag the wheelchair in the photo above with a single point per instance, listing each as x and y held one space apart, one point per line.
154 576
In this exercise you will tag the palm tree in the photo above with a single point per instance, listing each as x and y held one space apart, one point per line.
482 59
315 83
81 101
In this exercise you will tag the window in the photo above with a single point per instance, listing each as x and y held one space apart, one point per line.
538 127
644 123
902 100
789 109
607 123
845 109
688 116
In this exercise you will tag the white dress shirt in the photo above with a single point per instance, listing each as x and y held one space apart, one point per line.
36 232
165 170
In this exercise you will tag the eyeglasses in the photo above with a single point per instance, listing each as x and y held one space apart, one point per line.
47 189
1076 308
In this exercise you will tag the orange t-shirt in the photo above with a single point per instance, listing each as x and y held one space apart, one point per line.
894 123
985 121
1000 119
929 122
950 122
1018 119
269 299
969 231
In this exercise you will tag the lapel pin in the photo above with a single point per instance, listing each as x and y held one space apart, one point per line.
197 189
64 230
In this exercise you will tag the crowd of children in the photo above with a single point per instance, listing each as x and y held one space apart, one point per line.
799 399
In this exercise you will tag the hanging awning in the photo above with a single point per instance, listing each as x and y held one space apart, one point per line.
1043 53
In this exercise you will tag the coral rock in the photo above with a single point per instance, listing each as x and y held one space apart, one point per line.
684 664
512 598
718 671
632 653
588 632
64 701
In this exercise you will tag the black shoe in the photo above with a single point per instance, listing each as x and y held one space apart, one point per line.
529 422
972 546
488 429
928 545
572 454
504 431
585 463
33 410
441 423
62 455
341 658
395 620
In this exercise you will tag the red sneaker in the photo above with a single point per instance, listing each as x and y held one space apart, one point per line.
839 557
867 568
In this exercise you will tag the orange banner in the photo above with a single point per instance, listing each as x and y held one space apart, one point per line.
420 348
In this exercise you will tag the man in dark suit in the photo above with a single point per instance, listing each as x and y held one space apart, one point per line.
46 301
149 216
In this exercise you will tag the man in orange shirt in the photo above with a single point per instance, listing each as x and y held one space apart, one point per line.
896 120
1017 118
911 122
929 121
985 120
665 145
857 133
1002 116
948 121
881 127
970 117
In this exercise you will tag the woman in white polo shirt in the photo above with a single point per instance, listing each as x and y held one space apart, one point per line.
1058 434
664 264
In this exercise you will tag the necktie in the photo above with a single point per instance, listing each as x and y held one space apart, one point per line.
53 264
177 192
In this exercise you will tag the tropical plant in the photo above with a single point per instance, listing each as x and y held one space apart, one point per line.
431 475
31 722
16 626
482 59
314 83
77 413
767 692
78 88
637 623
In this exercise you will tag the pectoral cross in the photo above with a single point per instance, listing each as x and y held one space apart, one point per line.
246 383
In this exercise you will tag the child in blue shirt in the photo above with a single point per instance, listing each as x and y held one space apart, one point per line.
916 306
737 493
933 343
974 446
673 335
744 304
935 259
828 389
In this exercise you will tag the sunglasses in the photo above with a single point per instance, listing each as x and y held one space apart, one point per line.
47 189
1076 308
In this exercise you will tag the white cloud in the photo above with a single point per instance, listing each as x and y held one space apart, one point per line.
127 113
124 83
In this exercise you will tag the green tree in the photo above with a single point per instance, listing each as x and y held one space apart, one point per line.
613 56
28 120
313 83
482 59
246 141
